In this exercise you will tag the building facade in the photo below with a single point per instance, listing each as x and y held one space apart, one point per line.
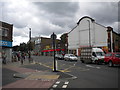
88 33
44 46
64 42
113 40
6 39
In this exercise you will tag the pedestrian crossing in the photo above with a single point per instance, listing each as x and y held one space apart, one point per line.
60 84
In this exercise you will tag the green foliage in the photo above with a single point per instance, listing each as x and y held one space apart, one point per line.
24 47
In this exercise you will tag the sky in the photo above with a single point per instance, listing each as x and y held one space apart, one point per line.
44 18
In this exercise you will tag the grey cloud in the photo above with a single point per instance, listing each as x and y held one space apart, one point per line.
14 15
104 12
17 34
59 8
59 13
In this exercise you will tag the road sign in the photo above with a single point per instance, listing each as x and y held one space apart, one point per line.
53 36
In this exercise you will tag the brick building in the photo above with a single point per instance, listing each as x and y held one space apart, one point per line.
113 40
6 39
64 42
43 46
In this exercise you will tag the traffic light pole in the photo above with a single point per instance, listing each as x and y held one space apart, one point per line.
29 44
53 37
54 55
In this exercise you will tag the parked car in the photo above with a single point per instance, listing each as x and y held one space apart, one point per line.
59 56
71 57
112 58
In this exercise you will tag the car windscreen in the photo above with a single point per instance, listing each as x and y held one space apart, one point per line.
117 55
99 53
72 55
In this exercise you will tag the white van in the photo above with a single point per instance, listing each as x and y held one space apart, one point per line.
92 55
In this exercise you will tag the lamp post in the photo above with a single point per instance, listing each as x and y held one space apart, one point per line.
29 44
53 37
89 34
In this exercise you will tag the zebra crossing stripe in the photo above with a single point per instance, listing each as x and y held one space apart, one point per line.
54 86
66 82
64 86
57 82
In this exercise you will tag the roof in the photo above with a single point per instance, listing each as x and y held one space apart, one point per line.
85 17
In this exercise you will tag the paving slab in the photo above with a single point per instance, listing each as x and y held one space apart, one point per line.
30 84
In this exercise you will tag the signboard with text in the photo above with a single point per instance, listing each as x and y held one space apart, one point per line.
5 43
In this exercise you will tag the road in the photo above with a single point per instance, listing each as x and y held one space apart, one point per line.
72 74
88 75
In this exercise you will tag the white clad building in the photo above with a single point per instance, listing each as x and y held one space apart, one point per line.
87 33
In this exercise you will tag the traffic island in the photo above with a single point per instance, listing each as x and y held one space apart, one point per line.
43 75
37 75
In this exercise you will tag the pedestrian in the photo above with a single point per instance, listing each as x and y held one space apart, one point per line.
18 56
4 56
22 57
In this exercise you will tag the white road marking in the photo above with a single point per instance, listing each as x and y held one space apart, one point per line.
54 86
92 66
89 66
57 82
98 67
66 82
64 86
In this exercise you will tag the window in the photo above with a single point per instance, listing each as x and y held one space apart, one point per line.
4 32
109 54
94 54
117 55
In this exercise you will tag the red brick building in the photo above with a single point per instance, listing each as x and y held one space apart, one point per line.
6 39
113 40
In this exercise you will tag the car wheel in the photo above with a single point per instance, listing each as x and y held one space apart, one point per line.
82 61
110 63
96 61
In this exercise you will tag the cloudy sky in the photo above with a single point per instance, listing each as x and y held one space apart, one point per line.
44 18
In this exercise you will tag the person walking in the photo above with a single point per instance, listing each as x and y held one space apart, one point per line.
18 56
22 57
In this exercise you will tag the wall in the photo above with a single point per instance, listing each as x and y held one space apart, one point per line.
87 33
73 39
101 35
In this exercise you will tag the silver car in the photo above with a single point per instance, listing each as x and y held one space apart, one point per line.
70 57
59 56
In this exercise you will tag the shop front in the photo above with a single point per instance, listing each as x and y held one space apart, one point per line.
50 52
6 47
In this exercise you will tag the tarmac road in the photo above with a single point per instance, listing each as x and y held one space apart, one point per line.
88 75
72 74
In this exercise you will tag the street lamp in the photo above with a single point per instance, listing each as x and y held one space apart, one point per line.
89 34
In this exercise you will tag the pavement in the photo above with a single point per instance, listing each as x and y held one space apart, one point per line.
32 78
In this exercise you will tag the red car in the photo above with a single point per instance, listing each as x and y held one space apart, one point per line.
112 58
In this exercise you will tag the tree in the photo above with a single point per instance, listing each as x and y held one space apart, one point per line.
64 42
23 47
16 48
31 45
